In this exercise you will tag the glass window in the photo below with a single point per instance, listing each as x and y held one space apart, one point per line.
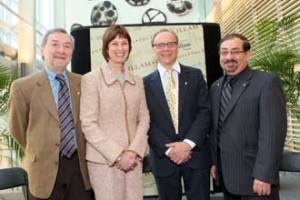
9 23
44 21
44 15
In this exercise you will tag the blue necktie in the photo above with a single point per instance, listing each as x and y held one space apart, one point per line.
67 140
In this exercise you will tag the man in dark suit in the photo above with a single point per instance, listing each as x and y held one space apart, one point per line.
178 135
249 125
35 121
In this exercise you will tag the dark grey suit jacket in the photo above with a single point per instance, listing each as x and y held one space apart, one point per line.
253 132
194 120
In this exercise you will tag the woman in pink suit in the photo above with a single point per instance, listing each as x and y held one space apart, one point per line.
115 122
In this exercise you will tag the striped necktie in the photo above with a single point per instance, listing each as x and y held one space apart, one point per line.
67 139
225 98
171 94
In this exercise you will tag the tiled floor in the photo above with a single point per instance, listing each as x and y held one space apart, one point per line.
290 187
11 195
18 196
290 190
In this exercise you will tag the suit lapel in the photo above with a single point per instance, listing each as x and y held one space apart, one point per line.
159 94
75 94
240 86
216 100
46 95
183 87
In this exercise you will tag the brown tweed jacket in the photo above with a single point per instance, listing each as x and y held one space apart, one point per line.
34 123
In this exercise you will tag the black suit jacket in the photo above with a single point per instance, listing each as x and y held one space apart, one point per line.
253 132
194 120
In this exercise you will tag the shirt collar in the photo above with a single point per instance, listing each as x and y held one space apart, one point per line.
162 70
241 74
51 75
110 78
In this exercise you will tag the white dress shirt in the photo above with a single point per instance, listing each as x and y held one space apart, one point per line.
164 81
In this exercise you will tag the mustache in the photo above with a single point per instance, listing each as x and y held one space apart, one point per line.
230 61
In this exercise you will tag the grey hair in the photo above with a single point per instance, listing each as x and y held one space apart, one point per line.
163 31
56 30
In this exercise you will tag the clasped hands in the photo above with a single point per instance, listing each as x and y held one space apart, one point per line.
128 161
180 152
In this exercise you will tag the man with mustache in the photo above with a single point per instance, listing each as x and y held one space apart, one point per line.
249 125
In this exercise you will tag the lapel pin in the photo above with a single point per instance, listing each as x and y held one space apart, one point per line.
185 83
244 84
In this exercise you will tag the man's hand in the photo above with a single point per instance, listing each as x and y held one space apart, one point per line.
213 171
261 188
180 152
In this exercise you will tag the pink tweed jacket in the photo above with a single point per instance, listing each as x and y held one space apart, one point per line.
114 117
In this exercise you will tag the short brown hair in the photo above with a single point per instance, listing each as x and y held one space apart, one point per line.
110 34
230 36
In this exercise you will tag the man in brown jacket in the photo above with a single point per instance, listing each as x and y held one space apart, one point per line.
36 123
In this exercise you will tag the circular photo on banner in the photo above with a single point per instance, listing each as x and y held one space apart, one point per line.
154 16
104 13
180 7
137 2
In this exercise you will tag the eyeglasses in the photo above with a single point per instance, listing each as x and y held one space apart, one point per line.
166 44
233 52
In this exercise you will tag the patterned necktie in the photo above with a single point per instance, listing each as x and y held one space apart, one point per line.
67 138
225 98
171 94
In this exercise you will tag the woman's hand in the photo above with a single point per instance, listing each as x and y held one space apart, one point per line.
128 161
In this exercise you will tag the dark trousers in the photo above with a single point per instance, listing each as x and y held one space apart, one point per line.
229 196
196 184
69 183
